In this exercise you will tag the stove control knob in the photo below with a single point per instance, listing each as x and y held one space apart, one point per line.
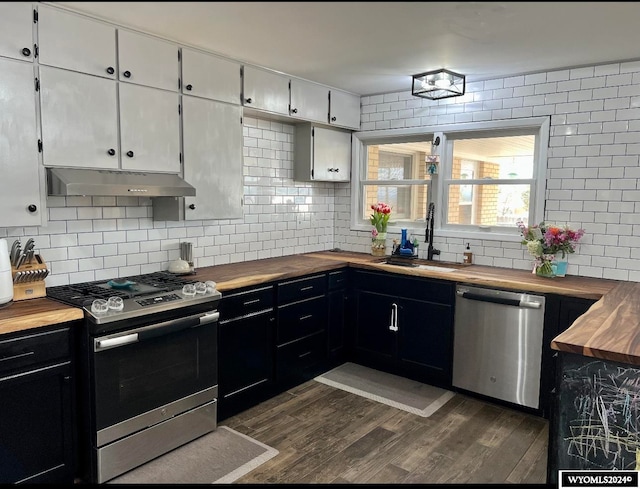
115 303
211 286
201 288
189 290
99 306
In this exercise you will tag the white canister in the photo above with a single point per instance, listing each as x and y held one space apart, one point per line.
6 283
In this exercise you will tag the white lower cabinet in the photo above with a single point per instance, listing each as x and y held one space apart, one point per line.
322 154
20 197
79 116
212 144
149 129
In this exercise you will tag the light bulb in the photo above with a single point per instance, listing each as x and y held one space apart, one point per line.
443 82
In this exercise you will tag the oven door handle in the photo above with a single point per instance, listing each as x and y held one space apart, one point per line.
106 343
154 331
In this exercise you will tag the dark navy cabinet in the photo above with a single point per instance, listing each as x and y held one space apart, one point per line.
37 407
245 349
404 325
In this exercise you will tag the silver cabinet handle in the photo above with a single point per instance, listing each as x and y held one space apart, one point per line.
394 317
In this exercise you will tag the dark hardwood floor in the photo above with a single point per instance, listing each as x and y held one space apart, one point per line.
326 435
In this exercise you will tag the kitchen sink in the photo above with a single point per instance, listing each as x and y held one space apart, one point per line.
421 264
434 268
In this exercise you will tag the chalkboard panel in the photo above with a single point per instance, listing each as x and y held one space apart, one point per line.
599 414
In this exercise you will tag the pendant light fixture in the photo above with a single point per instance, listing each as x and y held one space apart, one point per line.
438 84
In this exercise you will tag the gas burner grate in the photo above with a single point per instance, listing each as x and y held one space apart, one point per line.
166 280
83 294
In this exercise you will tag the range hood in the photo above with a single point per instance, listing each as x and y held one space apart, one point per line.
74 181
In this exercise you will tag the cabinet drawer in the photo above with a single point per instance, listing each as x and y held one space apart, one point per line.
424 289
301 319
241 303
31 350
337 279
297 290
301 354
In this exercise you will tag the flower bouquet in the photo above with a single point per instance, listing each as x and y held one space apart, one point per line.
546 242
379 220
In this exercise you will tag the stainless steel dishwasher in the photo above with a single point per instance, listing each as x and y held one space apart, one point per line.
497 348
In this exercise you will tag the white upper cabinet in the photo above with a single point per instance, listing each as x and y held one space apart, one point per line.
16 30
344 109
204 75
77 43
265 90
79 120
149 129
21 201
309 101
212 158
322 154
149 61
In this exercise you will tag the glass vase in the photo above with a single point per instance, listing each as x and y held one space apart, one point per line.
545 268
379 245
561 262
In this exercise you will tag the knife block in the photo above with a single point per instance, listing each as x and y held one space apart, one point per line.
30 288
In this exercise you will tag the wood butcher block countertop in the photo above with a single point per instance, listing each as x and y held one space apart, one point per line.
617 309
609 330
35 313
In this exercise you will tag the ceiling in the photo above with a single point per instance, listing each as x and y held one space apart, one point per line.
374 47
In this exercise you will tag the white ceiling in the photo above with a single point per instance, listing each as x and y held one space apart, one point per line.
375 47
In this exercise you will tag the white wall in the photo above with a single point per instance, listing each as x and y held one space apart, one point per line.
593 170
95 238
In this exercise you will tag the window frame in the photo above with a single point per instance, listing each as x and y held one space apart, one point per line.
538 126
360 141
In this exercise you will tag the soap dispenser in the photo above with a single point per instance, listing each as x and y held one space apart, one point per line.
468 256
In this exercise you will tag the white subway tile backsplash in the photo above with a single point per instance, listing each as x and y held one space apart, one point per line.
592 181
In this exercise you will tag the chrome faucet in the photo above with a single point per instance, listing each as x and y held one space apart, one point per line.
428 235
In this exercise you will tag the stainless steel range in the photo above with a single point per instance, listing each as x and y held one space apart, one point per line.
148 373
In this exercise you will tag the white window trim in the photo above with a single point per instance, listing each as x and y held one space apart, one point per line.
389 136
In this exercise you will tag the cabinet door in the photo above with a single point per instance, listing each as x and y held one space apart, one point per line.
147 60
212 137
77 43
344 110
210 76
309 101
331 154
336 303
245 358
149 129
265 90
425 348
375 343
79 120
16 30
36 427
18 147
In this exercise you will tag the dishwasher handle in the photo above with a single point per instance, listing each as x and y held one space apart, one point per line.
499 300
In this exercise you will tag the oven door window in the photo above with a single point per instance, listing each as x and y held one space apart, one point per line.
135 378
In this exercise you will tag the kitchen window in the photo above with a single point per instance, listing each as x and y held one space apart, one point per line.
489 175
